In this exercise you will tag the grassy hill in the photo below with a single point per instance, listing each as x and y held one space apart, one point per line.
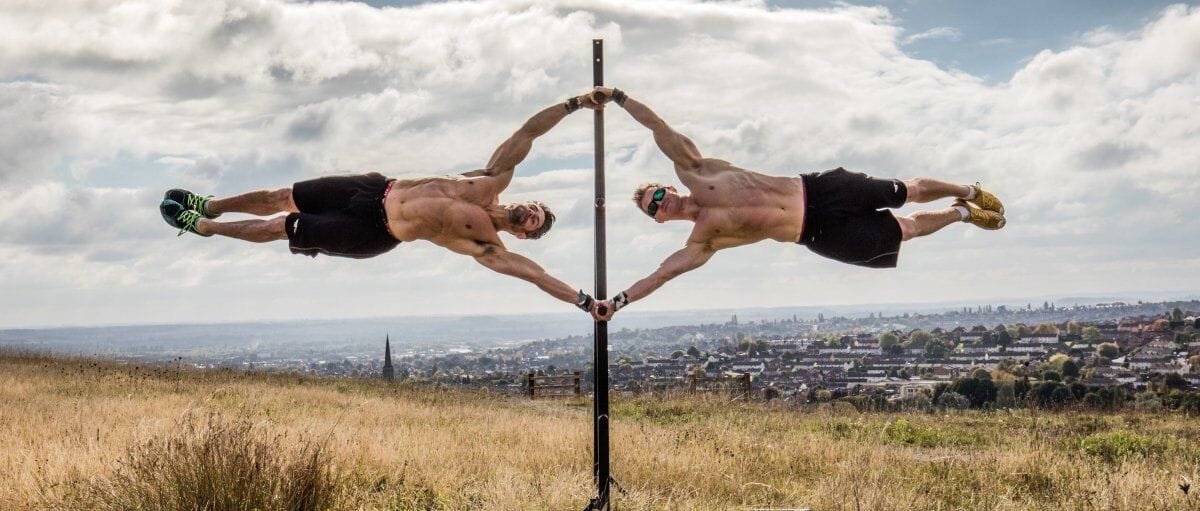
81 434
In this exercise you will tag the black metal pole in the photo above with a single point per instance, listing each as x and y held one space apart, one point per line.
600 356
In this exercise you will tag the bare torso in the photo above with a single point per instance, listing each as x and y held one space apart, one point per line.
442 209
739 206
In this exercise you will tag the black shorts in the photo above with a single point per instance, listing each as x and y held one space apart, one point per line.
843 221
340 216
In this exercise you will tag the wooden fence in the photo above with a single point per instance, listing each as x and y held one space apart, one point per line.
561 385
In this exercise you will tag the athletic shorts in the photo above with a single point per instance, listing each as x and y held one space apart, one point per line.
340 216
843 220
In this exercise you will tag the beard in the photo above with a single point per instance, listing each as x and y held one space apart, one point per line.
518 214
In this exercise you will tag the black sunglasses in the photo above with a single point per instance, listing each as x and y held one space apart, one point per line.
655 199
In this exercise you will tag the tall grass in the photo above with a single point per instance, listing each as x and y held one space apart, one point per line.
213 463
82 434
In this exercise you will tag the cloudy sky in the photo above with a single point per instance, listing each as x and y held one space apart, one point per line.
1081 116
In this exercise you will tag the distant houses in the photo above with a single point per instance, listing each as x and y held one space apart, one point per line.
1139 351
857 360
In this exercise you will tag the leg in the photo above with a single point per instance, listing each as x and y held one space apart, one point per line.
923 189
258 231
261 202
923 223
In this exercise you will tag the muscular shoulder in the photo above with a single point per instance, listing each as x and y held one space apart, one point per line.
703 235
487 184
713 165
718 228
705 169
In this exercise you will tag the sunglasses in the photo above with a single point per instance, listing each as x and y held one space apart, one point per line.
655 200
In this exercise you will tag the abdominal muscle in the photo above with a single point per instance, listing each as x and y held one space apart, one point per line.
425 210
754 207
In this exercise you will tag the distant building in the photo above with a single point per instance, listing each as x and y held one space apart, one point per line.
389 374
1040 339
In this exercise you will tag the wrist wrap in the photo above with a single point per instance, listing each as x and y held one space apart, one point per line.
620 301
619 96
584 301
572 104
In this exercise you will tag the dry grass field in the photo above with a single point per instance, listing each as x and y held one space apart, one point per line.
77 434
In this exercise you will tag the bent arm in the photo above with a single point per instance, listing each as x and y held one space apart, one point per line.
514 150
675 145
682 261
500 260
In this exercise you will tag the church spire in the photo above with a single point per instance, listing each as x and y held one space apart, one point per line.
389 374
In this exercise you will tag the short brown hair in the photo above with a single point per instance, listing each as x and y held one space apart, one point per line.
641 192
547 222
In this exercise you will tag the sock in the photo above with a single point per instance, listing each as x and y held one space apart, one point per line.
970 194
204 208
962 210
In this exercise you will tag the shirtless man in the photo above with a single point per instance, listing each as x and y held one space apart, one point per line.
837 214
362 216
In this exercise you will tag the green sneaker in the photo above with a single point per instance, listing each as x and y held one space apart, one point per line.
178 216
982 218
198 203
987 201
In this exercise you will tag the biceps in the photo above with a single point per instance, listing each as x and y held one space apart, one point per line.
685 260
464 246
503 261
689 148
678 148
509 154
494 263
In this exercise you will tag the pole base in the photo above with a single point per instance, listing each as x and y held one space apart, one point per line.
601 502
598 504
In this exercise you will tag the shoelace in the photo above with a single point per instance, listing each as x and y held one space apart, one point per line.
188 219
197 202
988 201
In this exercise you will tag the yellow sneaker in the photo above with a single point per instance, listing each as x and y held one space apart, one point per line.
986 200
982 218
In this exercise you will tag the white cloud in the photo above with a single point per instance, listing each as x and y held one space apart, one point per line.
53 217
947 33
106 104
34 133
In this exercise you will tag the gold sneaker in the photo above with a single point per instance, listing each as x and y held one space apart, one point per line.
986 200
982 218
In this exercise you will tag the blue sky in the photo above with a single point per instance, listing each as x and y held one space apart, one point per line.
993 40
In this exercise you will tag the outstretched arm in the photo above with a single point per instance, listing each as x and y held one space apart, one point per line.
514 150
675 145
690 257
500 260
492 254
